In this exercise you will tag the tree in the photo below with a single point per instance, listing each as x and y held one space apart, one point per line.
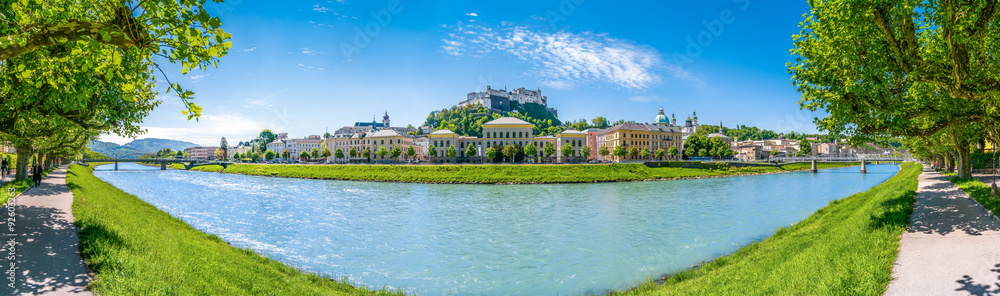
644 153
620 151
254 156
805 147
314 153
326 152
353 152
452 152
509 151
633 152
673 151
703 152
470 151
531 150
225 148
603 151
269 155
900 69
266 137
491 153
287 155
585 151
660 153
410 152
432 151
567 150
338 154
549 149
219 154
382 152
600 122
237 156
180 153
304 156
395 152
775 152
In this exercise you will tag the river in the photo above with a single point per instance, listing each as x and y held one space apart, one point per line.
434 239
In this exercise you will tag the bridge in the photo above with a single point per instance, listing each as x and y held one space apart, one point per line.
187 162
862 159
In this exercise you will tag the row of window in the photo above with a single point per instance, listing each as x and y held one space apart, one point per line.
507 135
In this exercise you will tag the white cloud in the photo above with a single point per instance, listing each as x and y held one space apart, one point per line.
471 14
564 59
207 131
306 50
644 99
307 68
198 78
250 49
321 9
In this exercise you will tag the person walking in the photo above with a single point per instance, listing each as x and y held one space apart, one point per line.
4 167
37 174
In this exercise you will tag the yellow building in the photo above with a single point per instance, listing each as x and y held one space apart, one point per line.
649 136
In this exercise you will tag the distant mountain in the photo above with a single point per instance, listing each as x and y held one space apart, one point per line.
151 145
135 148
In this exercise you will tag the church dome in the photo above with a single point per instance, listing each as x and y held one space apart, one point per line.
661 118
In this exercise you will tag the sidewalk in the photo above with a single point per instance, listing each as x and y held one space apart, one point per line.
952 246
47 244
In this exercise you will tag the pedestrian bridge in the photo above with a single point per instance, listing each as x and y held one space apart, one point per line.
840 159
187 162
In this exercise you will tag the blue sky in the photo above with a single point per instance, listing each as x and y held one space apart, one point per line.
302 67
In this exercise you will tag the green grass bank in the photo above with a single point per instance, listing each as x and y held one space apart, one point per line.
978 191
136 249
506 174
845 248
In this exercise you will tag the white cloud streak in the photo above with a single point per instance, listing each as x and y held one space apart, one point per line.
565 60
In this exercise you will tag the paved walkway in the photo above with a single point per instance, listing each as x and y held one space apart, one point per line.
952 246
47 244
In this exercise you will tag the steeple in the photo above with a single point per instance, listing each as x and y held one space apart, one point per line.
673 118
385 119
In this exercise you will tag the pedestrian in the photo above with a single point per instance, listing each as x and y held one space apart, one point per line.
4 167
37 174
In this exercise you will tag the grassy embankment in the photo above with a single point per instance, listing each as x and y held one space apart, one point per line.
978 191
18 185
136 249
503 174
845 248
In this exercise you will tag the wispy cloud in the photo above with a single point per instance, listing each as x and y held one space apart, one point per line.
306 50
565 60
322 9
645 99
249 49
471 14
317 25
309 68
264 101
198 78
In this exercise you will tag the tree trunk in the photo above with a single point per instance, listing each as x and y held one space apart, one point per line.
23 154
949 163
962 153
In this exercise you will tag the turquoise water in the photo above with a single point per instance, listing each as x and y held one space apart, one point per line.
434 239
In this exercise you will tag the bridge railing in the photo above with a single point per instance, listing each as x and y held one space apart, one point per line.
144 160
842 158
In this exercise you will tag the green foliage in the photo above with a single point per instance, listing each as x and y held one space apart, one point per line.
326 152
339 153
585 151
531 150
549 149
805 147
354 152
566 150
286 154
430 150
136 249
845 248
633 152
674 151
452 152
468 120
269 155
303 155
644 153
314 153
659 153
620 151
381 151
713 146
395 152
603 151
491 153
470 151
410 151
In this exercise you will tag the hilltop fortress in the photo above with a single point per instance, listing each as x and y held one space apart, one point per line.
499 100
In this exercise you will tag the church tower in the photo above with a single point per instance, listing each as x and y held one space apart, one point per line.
385 119
694 114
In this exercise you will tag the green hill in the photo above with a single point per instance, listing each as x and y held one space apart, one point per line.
468 120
